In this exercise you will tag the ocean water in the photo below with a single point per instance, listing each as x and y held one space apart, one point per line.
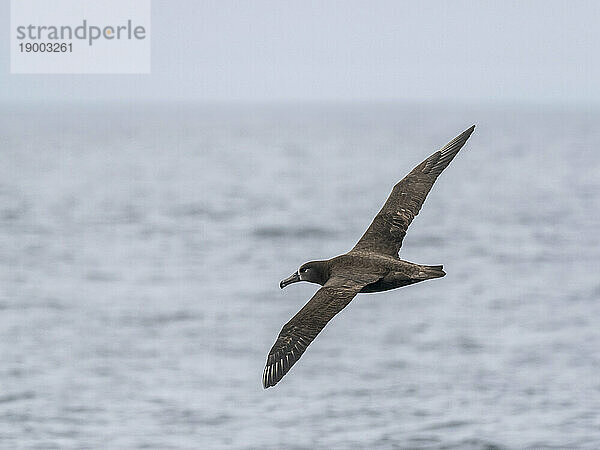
141 249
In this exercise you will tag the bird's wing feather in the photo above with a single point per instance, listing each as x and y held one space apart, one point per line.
304 327
386 232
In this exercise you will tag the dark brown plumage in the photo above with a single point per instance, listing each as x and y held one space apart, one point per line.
372 265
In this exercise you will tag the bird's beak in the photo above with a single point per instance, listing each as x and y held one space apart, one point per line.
293 278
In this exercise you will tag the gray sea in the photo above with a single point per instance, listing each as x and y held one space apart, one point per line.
141 247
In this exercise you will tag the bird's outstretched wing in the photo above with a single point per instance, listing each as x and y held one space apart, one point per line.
386 232
304 327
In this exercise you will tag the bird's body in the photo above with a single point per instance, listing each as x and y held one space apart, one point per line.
391 273
373 265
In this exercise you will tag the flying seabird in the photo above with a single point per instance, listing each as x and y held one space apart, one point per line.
373 265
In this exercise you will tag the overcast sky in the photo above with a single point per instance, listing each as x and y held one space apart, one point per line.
474 51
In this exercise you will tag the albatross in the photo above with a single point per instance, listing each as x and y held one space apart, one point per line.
373 265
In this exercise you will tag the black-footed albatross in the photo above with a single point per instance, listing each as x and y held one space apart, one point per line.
373 265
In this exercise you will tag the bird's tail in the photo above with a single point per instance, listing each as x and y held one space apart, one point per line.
433 271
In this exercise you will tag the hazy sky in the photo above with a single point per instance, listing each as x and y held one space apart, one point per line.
481 51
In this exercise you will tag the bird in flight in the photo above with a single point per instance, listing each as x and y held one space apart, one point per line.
373 265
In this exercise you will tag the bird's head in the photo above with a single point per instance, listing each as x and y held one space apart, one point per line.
313 272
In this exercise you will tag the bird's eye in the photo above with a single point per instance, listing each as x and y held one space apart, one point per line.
302 270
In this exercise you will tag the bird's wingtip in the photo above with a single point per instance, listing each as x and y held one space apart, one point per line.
467 133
